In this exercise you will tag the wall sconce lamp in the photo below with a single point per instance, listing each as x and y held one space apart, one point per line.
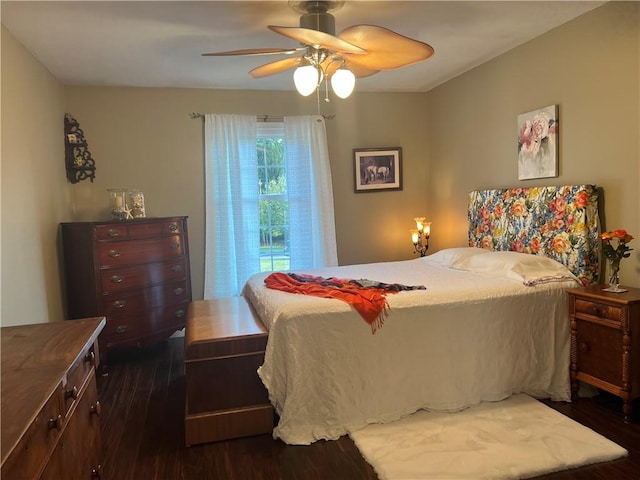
420 236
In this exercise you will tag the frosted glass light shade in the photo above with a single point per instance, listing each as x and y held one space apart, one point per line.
342 82
305 79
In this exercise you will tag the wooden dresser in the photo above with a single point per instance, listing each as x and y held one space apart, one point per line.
50 410
605 342
134 272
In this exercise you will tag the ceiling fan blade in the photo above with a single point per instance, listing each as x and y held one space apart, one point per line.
361 72
254 51
386 49
318 39
275 67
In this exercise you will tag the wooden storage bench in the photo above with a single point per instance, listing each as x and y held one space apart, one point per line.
224 346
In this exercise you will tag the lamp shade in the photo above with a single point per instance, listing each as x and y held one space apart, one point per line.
342 82
305 79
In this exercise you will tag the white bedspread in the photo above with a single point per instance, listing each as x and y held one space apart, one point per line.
327 375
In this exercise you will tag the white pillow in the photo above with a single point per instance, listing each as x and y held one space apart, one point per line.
450 257
524 267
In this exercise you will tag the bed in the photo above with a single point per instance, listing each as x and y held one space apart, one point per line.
491 322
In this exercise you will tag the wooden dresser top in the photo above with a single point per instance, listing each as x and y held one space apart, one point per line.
35 359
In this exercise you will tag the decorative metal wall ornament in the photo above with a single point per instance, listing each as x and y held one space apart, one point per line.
77 157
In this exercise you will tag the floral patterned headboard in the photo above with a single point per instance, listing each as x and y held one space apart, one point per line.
557 222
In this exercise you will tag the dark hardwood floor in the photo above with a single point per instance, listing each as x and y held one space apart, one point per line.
143 433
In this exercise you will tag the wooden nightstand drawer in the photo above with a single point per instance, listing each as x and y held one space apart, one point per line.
599 310
599 350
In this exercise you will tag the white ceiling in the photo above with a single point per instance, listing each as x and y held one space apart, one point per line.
159 43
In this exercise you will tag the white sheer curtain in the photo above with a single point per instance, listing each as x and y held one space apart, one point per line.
232 235
311 217
232 243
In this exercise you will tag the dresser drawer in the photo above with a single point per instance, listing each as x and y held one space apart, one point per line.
127 329
126 302
77 455
76 377
599 310
111 232
123 231
35 445
139 251
140 276
599 351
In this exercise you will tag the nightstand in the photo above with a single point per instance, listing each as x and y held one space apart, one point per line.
605 342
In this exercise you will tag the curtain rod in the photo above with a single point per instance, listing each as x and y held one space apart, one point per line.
261 118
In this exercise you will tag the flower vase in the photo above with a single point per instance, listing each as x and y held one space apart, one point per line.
614 279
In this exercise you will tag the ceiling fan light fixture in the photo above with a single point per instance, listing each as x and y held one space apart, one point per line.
364 49
306 79
342 82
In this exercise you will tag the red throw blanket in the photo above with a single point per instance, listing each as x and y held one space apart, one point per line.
366 296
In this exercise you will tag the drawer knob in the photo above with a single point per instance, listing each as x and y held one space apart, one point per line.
55 423
175 246
96 472
176 268
96 408
180 313
596 310
173 227
90 357
121 328
117 279
178 291
119 303
112 232
73 393
114 253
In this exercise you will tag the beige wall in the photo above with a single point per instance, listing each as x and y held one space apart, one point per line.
456 138
35 193
590 68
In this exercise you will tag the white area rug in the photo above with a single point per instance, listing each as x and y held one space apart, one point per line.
519 437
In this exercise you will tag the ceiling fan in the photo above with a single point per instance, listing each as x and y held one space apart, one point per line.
358 51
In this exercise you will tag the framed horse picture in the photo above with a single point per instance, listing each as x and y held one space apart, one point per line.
377 169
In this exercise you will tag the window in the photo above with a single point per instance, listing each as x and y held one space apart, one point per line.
272 198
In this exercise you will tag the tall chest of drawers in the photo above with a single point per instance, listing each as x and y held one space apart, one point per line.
135 273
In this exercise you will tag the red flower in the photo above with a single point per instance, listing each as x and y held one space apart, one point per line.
582 200
535 245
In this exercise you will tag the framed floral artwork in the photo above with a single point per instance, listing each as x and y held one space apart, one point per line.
377 169
538 143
